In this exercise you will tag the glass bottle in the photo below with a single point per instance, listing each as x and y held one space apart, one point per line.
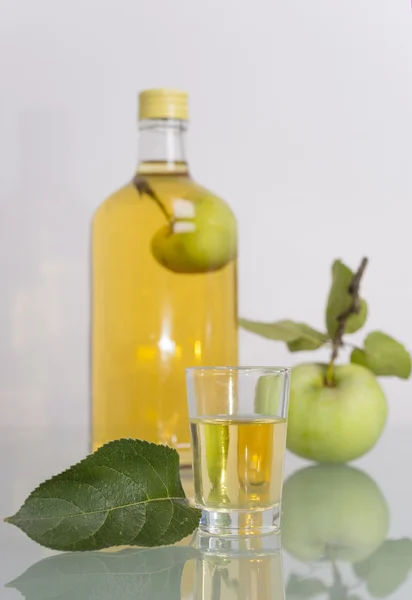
163 286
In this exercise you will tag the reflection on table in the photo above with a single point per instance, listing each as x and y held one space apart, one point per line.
242 568
335 524
335 545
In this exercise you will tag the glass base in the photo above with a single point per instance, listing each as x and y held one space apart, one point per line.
240 522
253 545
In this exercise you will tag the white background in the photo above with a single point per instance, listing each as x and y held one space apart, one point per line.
301 117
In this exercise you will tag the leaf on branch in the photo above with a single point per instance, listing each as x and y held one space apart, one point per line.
308 339
384 356
358 357
127 493
298 336
340 300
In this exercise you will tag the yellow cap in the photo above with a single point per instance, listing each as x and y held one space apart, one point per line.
163 104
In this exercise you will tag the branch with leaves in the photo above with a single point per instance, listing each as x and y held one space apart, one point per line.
353 309
346 313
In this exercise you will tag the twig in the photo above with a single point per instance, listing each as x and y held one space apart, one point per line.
353 309
143 187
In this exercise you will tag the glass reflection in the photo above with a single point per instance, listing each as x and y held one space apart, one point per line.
244 568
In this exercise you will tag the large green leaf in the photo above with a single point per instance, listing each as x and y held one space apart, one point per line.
383 356
298 336
141 574
127 493
387 568
340 300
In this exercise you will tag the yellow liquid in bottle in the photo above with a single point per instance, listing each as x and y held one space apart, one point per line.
149 323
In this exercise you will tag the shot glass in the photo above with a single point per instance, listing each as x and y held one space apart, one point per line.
238 420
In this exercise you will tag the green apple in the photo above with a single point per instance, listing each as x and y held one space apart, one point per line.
333 511
334 424
201 238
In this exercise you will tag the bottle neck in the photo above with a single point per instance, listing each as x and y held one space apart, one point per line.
162 146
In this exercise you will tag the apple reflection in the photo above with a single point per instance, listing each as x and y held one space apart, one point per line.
333 512
335 520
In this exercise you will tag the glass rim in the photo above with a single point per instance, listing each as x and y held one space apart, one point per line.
265 370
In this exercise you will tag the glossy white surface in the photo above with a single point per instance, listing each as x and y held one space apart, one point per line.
30 455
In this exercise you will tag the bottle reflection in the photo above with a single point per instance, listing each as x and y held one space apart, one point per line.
244 568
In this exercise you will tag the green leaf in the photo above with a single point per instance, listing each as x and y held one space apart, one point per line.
356 322
298 336
387 568
127 493
298 587
340 300
124 575
309 339
383 356
282 331
358 357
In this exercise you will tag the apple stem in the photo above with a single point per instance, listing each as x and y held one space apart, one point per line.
330 375
143 187
353 309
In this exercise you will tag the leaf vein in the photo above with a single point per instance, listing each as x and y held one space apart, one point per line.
140 488
151 466
103 510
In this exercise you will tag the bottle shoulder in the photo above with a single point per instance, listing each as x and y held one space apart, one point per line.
122 194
